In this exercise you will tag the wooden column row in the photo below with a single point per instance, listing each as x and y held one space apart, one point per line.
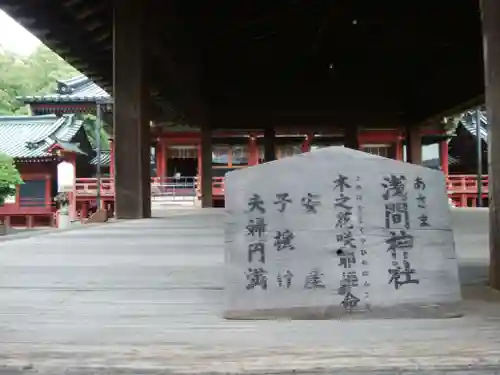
206 166
206 159
131 119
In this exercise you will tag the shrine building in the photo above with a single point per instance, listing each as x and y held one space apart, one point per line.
276 76
176 147
37 144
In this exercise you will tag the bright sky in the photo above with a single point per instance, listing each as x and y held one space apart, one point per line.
14 37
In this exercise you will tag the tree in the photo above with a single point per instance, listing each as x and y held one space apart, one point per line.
90 126
35 74
44 68
9 178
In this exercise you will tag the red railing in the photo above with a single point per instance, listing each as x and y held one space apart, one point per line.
466 184
174 187
462 190
27 206
456 184
28 212
459 186
217 187
87 187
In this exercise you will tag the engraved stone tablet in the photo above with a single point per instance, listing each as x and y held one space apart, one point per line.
338 232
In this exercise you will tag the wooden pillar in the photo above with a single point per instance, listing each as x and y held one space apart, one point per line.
269 144
413 145
443 157
85 211
199 158
164 159
490 10
352 137
131 106
48 189
111 158
160 159
399 149
253 151
206 166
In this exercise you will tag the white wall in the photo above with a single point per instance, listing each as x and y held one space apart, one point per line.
428 152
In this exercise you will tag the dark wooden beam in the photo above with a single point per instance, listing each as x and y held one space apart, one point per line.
491 37
177 62
83 10
65 38
220 54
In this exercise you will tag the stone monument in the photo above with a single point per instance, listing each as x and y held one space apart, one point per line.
339 233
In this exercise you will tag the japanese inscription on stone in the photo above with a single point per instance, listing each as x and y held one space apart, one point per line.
397 221
363 235
256 275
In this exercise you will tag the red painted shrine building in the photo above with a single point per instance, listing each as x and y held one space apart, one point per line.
175 149
38 144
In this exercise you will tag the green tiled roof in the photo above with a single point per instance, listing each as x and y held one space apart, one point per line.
68 146
435 163
79 89
32 136
105 159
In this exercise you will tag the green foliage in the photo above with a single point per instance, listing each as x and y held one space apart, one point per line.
9 178
35 74
89 124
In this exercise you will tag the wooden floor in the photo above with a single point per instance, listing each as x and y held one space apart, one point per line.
145 297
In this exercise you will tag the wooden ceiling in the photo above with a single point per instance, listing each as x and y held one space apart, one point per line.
248 62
